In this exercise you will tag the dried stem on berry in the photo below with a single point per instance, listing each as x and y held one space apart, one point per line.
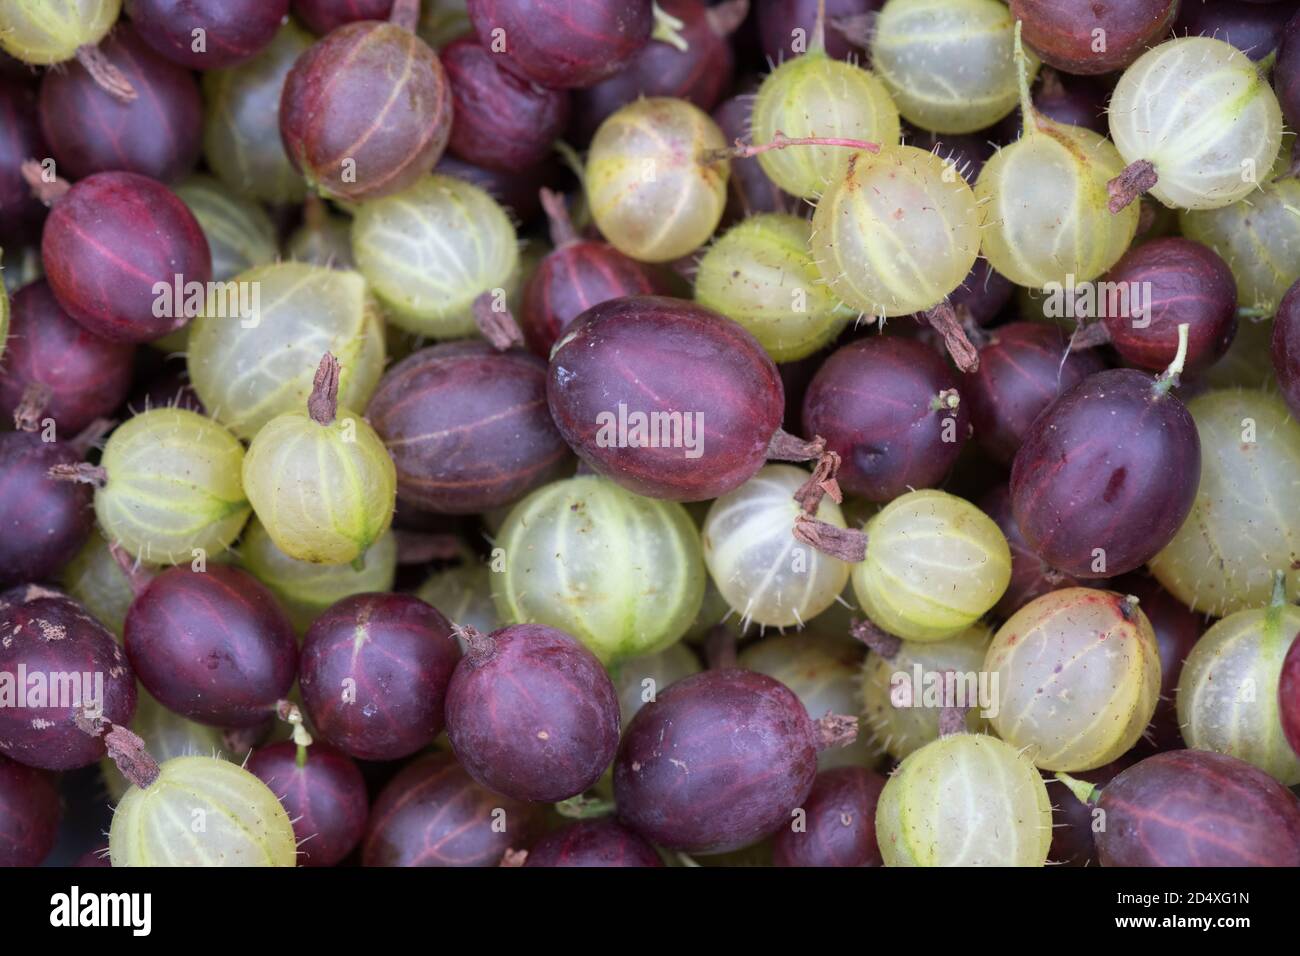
323 403
787 447
125 748
405 14
943 319
46 190
846 544
743 150
820 483
498 326
883 643
106 76
557 214
27 416
82 472
835 730
1136 179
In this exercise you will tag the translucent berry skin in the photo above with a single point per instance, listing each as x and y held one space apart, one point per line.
1074 491
572 279
778 24
500 120
1196 808
245 823
668 215
322 16
1024 367
29 814
325 798
240 233
895 710
603 843
1286 348
1078 677
1288 695
1243 524
374 674
1044 202
233 31
1063 32
935 565
763 571
841 822
42 32
408 247
549 745
658 355
1184 106
965 800
48 633
700 74
434 814
241 132
561 44
873 401
87 377
166 734
325 493
89 130
1189 283
468 427
20 139
718 762
213 646
43 522
87 231
950 67
1226 698
897 233
337 93
815 95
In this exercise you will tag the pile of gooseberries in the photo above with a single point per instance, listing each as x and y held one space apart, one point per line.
540 433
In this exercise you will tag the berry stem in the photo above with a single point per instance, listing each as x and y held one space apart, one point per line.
137 576
106 76
947 400
513 859
943 319
847 544
726 17
583 807
405 14
1136 179
314 213
288 712
668 29
835 730
1086 793
126 749
47 190
787 447
83 472
557 215
1254 312
323 403
882 642
27 416
817 42
743 150
1028 117
720 648
481 646
1278 598
1168 379
823 481
498 326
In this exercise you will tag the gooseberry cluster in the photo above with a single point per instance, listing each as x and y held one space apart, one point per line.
629 433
